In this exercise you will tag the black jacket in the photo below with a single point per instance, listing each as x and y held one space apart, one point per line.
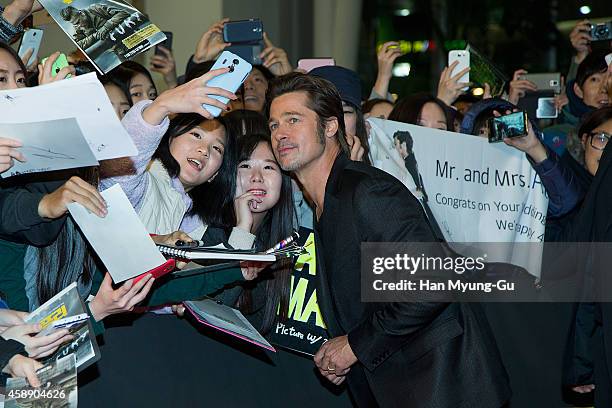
19 219
410 354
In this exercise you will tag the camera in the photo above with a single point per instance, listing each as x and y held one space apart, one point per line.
601 32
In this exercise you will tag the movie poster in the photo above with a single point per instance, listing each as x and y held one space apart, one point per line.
109 32
304 330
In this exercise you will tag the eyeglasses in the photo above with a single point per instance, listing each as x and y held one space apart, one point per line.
599 140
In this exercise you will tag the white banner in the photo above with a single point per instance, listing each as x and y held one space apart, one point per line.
476 191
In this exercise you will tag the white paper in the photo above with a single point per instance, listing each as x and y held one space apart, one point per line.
82 97
47 146
120 239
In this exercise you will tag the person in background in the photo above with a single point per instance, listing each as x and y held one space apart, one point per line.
12 15
165 65
424 110
348 85
386 56
377 108
253 92
138 81
585 93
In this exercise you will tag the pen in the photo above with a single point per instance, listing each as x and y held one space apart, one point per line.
284 242
192 244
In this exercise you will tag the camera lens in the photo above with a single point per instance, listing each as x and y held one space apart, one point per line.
231 68
236 62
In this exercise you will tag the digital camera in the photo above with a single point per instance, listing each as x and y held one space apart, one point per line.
601 32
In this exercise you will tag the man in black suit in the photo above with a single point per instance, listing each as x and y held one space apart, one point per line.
391 354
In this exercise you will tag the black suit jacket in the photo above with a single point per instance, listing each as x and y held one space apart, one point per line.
410 354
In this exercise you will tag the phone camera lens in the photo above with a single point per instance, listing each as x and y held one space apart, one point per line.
236 62
231 68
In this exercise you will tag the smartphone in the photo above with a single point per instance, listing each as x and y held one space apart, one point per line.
549 81
463 56
60 62
32 38
512 125
243 31
248 52
167 43
308 64
546 108
231 81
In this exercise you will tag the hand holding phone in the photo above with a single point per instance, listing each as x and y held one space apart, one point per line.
243 31
54 68
31 39
508 126
462 57
455 77
239 69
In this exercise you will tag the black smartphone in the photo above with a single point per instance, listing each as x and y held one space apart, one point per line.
167 43
512 125
248 52
243 31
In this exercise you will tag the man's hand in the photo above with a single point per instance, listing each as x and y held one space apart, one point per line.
8 152
528 143
75 190
581 40
449 87
21 366
334 359
18 10
165 65
45 71
251 269
357 150
109 301
275 58
211 43
518 86
9 318
41 346
26 58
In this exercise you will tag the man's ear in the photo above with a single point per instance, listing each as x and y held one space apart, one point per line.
331 127
583 140
578 91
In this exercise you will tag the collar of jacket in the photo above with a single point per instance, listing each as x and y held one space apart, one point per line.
334 179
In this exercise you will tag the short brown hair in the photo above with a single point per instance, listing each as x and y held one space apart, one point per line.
323 99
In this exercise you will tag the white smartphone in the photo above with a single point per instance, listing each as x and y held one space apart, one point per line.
463 56
546 108
230 81
32 38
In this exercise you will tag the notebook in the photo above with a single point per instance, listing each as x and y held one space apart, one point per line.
226 319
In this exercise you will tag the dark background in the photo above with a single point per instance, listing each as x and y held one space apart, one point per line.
514 34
